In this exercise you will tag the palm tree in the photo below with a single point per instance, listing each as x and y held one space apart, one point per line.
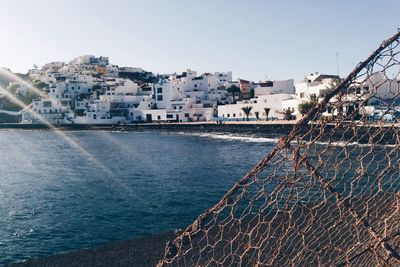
267 110
247 111
257 114
305 107
287 113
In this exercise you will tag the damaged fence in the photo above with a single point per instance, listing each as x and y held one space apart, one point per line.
327 195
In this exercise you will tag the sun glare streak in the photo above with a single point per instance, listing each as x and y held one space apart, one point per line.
89 156
25 83
68 139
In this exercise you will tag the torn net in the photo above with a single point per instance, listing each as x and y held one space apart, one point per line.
327 195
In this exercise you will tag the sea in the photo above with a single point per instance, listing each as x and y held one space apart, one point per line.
65 191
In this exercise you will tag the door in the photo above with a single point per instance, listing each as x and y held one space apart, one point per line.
149 118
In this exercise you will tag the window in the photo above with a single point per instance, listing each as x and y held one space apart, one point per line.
358 90
158 117
269 84
46 103
170 116
228 115
301 95
180 107
159 98
366 89
234 115
174 107
159 90
186 115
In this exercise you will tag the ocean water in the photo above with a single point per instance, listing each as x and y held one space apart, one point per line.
66 191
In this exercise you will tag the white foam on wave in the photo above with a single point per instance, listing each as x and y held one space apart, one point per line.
233 137
349 144
253 139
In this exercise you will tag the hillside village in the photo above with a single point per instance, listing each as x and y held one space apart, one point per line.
91 90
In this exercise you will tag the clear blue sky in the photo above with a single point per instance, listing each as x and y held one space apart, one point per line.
253 38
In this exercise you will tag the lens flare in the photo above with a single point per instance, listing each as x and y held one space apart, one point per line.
68 139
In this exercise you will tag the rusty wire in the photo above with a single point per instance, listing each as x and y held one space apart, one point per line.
327 195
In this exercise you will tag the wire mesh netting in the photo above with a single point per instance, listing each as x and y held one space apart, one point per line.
327 195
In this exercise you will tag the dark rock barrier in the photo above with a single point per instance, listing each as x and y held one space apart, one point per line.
270 130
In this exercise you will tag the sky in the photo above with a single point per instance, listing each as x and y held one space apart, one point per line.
255 39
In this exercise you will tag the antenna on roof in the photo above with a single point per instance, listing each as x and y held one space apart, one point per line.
337 63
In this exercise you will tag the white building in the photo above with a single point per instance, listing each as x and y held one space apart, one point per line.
50 110
224 77
189 97
272 101
88 90
275 87
318 85
315 84
90 60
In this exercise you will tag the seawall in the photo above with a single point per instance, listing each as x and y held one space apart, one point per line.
259 129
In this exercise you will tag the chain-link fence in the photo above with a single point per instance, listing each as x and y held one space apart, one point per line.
327 195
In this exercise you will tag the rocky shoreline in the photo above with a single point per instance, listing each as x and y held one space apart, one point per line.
258 129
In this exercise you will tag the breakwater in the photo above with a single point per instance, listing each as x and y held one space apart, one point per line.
270 130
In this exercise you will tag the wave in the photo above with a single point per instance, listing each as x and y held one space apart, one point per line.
233 137
352 144
255 139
